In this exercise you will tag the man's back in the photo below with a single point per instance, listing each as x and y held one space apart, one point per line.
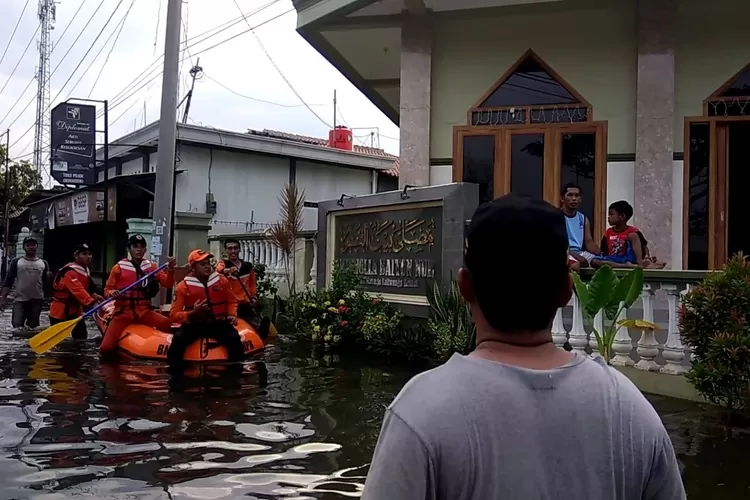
475 429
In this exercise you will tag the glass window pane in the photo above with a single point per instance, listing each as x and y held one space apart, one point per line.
527 165
740 86
529 85
479 164
578 158
698 195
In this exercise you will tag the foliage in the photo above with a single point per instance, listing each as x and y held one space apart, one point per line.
283 233
612 295
265 287
450 320
713 321
23 180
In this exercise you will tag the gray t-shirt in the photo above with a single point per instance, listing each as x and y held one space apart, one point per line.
475 429
28 276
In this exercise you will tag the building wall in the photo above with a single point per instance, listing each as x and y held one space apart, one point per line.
246 187
589 43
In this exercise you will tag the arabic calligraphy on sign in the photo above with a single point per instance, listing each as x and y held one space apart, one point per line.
390 236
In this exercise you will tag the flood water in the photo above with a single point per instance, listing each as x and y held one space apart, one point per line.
291 426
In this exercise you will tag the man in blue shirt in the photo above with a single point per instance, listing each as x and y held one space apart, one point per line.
580 242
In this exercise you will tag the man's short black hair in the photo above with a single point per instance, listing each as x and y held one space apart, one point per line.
569 185
231 240
624 208
517 254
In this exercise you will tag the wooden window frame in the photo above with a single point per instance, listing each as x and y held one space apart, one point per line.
552 159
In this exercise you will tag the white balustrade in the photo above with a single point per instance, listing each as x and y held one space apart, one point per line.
578 339
559 335
674 351
623 344
599 325
314 268
648 347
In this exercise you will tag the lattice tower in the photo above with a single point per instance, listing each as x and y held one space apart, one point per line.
46 13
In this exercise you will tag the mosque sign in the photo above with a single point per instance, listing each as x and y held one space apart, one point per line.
392 251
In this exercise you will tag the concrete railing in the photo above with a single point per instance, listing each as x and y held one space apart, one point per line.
259 249
659 351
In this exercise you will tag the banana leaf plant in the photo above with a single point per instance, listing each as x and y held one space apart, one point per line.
611 295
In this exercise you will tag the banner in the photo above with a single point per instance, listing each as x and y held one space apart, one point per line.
73 149
82 208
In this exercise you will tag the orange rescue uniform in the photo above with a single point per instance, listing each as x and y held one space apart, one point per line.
70 292
245 274
133 306
217 291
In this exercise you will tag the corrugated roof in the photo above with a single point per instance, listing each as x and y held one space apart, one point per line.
317 141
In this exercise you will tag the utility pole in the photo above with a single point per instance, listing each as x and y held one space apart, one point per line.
334 113
46 13
195 72
164 191
6 218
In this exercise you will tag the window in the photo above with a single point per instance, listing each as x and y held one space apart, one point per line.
530 133
732 98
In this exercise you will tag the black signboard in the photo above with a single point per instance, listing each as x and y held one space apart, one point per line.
396 251
73 150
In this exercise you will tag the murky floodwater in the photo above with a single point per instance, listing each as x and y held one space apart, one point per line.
290 426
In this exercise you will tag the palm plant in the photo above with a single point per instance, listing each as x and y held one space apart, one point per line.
284 232
450 319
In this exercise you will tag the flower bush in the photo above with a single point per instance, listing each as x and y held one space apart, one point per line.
714 322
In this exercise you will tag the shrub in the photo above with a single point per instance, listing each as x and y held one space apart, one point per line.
713 321
450 322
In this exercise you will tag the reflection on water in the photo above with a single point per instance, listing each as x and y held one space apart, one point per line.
285 426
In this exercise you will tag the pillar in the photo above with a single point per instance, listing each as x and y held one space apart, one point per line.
655 106
190 232
414 110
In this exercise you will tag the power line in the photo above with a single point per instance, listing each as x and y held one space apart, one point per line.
80 6
12 35
255 98
278 70
106 59
81 32
20 59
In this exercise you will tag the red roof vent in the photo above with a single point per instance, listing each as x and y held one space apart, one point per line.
340 138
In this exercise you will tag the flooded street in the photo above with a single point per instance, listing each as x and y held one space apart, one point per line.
290 426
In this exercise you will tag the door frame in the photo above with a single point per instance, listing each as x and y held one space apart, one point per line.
717 187
552 159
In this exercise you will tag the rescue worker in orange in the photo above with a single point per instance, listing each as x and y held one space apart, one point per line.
205 306
72 291
134 306
241 275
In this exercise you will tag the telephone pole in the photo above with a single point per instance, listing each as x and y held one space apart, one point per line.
195 72
46 13
164 191
6 218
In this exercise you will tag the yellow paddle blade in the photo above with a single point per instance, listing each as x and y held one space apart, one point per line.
50 337
272 331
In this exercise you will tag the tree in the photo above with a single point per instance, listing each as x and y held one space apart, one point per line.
284 233
23 180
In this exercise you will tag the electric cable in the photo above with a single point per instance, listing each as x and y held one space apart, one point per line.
112 48
81 32
31 40
80 6
255 98
12 35
278 70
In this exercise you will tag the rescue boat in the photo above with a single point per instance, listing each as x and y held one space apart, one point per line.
144 342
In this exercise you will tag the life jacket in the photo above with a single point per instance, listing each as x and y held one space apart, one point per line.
137 296
61 293
617 243
211 291
243 277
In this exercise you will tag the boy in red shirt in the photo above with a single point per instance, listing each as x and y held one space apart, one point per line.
624 246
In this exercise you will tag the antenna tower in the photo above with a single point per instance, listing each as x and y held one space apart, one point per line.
46 13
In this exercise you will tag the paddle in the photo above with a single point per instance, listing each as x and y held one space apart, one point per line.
50 337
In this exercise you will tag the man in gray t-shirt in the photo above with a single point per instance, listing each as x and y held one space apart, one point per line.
29 274
519 418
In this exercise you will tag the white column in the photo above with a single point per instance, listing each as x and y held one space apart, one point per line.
622 345
648 347
578 339
599 325
314 269
674 351
262 255
559 335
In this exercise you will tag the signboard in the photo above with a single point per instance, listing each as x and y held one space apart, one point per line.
393 251
73 150
81 208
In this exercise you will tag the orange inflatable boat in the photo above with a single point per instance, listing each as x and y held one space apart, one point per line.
145 342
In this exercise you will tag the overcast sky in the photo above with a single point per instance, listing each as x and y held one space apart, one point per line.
239 64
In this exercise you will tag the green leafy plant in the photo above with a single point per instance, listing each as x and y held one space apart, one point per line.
611 295
714 322
266 289
450 320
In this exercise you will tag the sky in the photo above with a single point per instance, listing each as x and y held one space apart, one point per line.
241 87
